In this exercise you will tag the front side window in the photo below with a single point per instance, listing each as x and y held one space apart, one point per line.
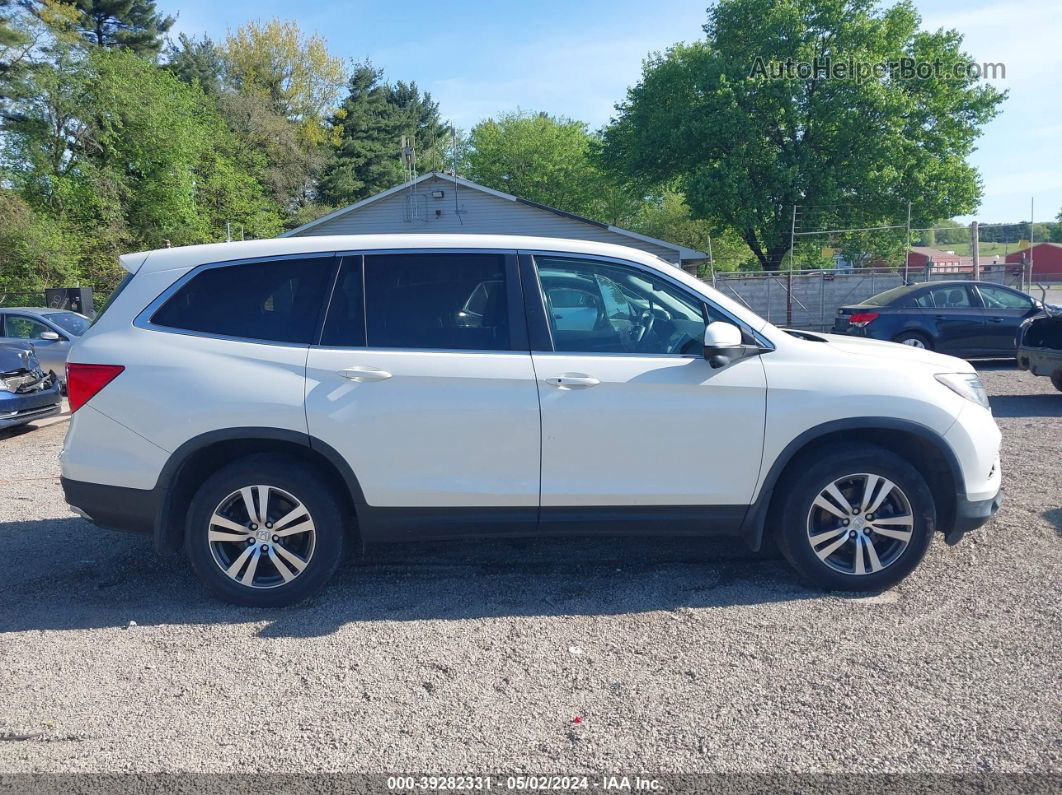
998 298
438 301
272 301
604 307
23 328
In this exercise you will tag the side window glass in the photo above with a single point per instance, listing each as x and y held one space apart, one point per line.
345 324
437 301
998 298
955 297
603 307
22 328
272 301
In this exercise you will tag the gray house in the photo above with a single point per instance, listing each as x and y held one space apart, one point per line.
440 203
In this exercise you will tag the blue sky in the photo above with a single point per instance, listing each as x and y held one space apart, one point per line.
578 58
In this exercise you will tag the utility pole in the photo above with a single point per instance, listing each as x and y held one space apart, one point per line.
975 249
907 251
1032 213
789 274
711 261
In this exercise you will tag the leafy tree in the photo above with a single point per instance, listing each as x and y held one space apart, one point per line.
367 131
197 61
547 159
294 72
745 140
34 251
135 25
667 217
1056 229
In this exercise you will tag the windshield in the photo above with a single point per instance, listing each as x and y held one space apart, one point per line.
70 322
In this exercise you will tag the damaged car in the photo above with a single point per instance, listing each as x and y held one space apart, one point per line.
1040 345
27 393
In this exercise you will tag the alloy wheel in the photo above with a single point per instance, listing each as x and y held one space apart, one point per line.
261 536
860 524
914 342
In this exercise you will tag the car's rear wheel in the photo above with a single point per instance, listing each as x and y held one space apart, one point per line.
1056 379
858 518
914 339
264 532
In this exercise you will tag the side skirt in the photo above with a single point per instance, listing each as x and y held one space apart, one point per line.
386 525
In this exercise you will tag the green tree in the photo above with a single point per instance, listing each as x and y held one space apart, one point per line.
746 140
667 217
293 71
135 25
197 61
547 159
367 132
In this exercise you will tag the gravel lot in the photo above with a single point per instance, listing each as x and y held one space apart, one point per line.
678 656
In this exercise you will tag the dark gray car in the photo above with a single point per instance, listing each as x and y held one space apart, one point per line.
51 331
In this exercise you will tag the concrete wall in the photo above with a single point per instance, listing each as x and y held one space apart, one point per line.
817 295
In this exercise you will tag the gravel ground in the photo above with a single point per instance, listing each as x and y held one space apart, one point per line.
677 656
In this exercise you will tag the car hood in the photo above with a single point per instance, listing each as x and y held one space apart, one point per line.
895 352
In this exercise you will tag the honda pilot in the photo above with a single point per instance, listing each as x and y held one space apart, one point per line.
265 405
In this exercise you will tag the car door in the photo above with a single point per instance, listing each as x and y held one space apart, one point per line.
1004 310
633 417
50 353
953 313
423 382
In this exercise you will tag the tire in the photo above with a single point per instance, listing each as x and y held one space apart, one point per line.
275 579
1056 379
845 466
915 339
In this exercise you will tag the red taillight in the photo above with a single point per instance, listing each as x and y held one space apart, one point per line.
83 381
860 319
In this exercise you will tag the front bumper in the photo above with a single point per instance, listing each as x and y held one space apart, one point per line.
971 514
19 408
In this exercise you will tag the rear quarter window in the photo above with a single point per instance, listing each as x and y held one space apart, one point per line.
276 301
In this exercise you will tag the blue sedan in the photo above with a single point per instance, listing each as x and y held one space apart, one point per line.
961 318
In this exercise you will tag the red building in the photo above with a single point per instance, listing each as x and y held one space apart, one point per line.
1046 260
940 261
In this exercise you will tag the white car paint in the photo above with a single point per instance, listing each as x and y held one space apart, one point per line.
464 429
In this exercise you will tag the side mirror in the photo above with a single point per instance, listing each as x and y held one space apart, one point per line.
722 344
50 336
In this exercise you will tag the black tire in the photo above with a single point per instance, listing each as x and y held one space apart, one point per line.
812 475
287 479
910 336
1056 379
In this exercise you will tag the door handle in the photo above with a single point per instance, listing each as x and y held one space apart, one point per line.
360 374
995 320
573 381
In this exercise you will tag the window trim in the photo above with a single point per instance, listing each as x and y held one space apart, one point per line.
144 319
518 331
538 324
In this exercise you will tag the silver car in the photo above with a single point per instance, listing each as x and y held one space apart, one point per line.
52 331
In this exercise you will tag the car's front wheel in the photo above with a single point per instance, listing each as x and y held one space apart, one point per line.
264 532
857 517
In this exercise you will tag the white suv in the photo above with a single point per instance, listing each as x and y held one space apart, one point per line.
263 404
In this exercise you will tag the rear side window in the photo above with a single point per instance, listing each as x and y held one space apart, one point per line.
272 301
944 298
436 301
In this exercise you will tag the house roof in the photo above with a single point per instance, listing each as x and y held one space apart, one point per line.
934 253
684 252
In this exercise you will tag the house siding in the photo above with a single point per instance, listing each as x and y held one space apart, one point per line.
481 213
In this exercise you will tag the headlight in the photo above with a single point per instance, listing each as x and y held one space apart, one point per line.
968 385
5 387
